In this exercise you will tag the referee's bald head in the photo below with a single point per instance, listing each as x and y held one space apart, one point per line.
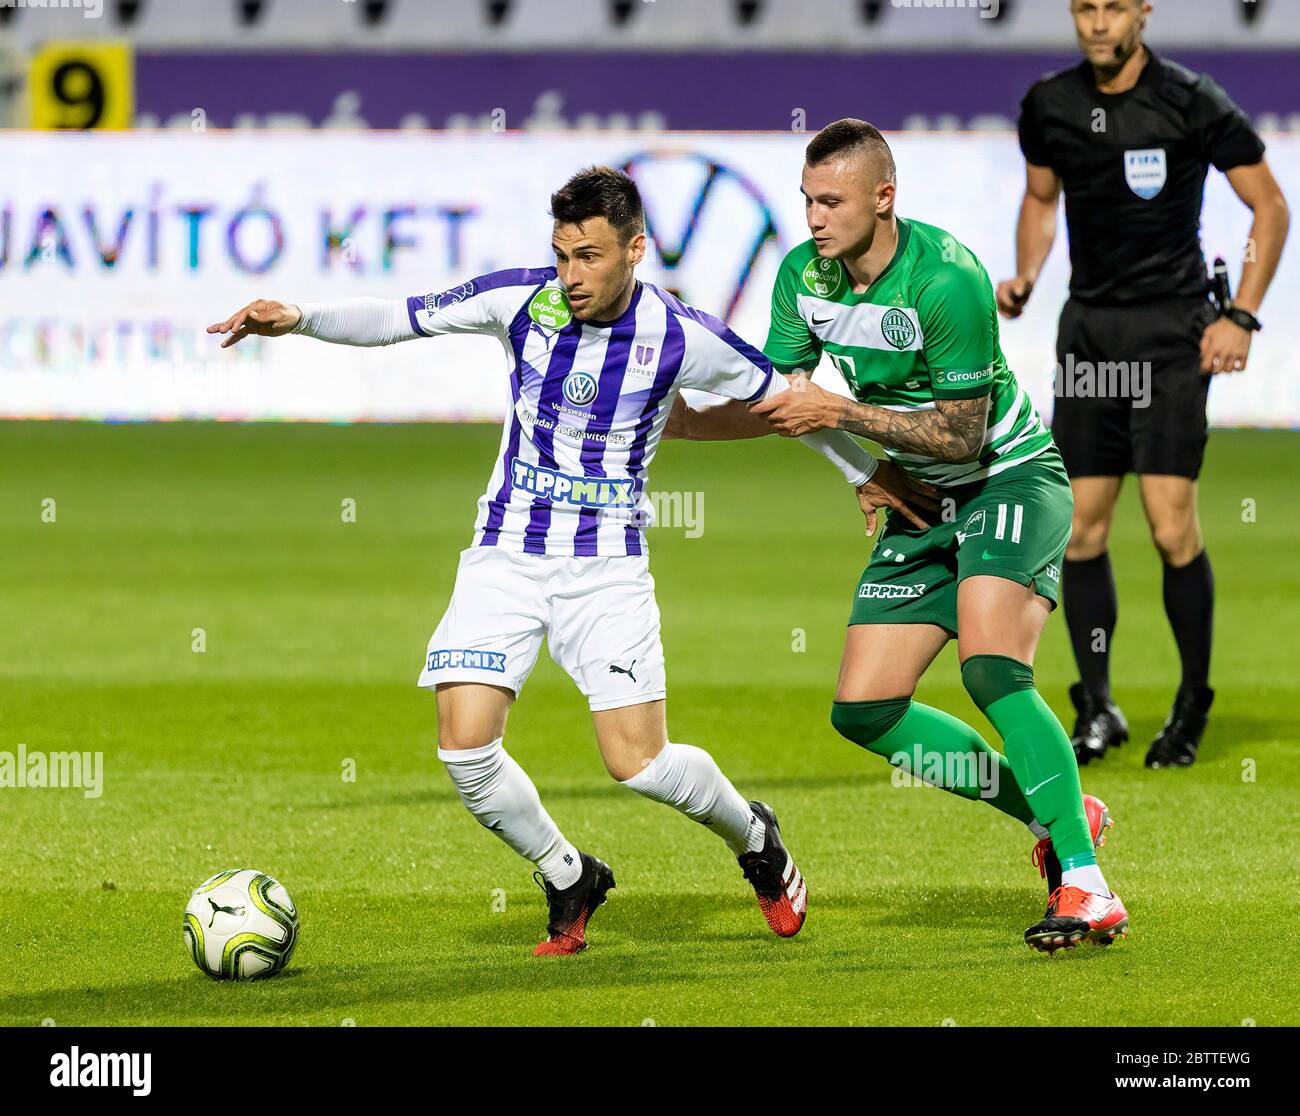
851 138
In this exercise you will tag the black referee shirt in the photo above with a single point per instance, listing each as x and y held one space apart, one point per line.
1133 166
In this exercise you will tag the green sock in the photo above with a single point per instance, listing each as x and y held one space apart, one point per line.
937 748
1039 751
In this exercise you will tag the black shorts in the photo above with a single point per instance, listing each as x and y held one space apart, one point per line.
1130 396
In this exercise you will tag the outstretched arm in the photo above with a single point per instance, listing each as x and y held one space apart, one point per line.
879 484
727 422
952 431
347 321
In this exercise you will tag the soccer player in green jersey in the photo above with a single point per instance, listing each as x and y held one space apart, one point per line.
907 315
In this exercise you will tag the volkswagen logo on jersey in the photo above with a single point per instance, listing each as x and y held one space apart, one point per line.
580 388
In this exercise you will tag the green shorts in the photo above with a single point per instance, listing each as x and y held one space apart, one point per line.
1013 525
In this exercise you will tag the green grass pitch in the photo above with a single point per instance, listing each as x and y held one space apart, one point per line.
315 630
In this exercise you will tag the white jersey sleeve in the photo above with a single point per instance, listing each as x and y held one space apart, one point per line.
718 361
486 304
356 321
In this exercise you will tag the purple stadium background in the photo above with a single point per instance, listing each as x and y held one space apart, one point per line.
709 91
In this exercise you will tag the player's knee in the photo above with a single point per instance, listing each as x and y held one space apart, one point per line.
473 770
453 740
1177 542
866 723
1089 537
627 766
988 678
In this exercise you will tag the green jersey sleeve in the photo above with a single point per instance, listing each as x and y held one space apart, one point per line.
959 326
790 343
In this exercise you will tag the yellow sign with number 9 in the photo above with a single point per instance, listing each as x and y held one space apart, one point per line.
82 85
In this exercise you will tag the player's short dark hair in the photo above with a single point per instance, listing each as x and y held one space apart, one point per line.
600 192
851 136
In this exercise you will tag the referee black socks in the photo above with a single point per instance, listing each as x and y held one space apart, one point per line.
1091 607
1189 604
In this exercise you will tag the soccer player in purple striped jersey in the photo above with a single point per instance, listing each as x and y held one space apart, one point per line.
559 549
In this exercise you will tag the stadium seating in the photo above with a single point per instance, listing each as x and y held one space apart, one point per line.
605 24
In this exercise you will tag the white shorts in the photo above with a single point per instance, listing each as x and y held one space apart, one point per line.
599 616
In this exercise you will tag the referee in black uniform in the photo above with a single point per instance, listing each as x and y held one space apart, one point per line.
1130 138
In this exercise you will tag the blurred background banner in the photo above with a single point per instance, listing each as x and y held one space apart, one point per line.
173 159
116 251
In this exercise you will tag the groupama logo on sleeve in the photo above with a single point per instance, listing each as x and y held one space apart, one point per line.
550 308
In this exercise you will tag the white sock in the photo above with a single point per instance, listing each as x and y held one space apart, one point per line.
496 790
1038 829
1087 879
687 779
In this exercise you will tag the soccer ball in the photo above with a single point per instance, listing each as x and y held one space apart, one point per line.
240 924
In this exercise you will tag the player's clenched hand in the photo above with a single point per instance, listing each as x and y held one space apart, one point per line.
890 487
1225 347
265 317
1012 296
804 409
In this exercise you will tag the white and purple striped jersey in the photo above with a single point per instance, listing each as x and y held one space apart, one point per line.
589 403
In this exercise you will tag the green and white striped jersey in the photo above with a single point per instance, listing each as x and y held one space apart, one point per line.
926 329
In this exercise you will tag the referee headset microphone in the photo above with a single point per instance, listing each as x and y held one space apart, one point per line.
1104 33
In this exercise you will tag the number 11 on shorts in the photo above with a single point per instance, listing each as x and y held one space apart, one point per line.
1017 519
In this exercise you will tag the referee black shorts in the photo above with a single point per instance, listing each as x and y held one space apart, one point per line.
1130 396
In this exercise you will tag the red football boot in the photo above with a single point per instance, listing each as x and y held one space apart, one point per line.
1074 915
570 909
779 885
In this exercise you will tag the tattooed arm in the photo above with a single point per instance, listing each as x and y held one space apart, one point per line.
952 431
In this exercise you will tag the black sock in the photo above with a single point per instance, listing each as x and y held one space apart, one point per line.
1189 604
1091 607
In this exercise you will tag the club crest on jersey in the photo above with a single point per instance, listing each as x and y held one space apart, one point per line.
580 388
823 277
550 308
898 329
1146 172
644 356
